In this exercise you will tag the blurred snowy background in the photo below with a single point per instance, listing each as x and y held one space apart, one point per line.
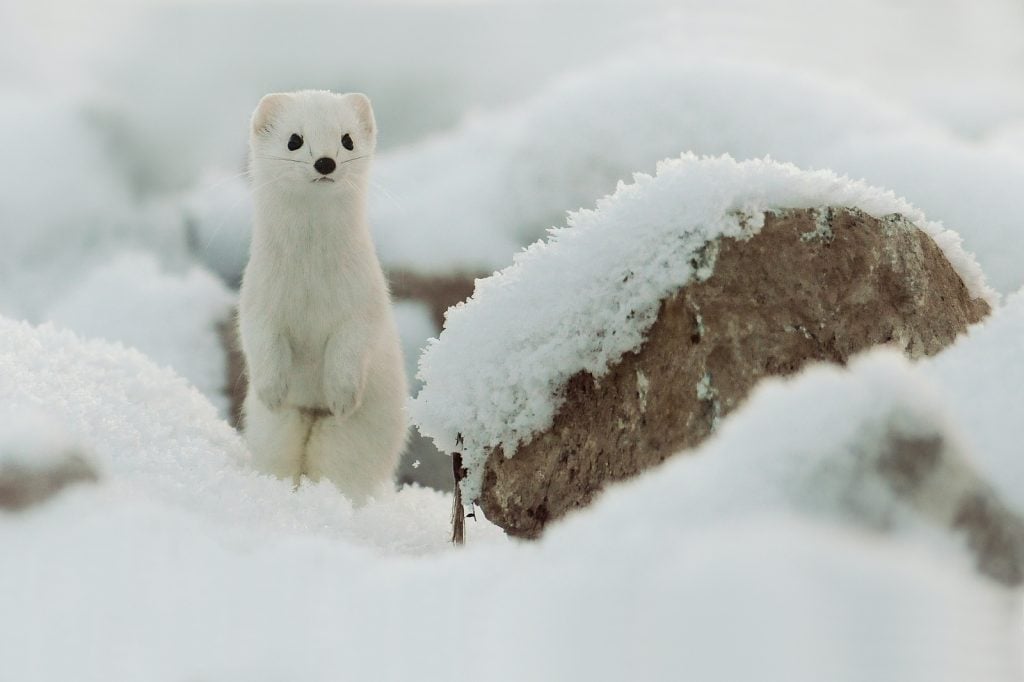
124 209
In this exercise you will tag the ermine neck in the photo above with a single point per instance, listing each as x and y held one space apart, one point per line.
334 215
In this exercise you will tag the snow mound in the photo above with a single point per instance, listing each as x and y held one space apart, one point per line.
772 599
581 299
169 317
508 175
468 199
58 222
159 441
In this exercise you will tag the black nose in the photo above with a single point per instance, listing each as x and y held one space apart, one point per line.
324 165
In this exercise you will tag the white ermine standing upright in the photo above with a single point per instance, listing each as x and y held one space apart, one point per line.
326 382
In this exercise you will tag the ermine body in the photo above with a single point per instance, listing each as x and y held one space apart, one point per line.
326 379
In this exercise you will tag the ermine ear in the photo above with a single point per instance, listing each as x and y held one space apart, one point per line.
266 110
364 111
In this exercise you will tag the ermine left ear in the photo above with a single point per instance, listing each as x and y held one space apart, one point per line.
266 110
364 111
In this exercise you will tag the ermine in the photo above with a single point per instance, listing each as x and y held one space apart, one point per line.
326 380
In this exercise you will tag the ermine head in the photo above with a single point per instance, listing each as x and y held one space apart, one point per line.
311 141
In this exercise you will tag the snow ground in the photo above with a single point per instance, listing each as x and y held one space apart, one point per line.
162 442
188 565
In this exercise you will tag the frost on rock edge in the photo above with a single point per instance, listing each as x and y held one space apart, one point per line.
586 295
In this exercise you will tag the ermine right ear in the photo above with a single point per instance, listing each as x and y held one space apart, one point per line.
266 110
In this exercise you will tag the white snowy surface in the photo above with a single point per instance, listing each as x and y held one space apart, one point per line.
190 567
581 299
769 599
171 318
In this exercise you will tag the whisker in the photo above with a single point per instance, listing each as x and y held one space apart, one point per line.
223 181
234 205
355 158
386 193
281 158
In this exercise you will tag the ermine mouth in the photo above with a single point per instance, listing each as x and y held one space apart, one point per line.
324 180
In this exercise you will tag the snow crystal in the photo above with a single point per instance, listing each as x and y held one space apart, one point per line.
587 295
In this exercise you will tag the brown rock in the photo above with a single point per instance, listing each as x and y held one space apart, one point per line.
437 292
932 476
810 286
22 485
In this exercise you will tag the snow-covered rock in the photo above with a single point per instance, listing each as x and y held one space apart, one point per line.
580 300
810 286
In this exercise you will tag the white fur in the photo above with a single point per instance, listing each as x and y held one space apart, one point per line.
326 380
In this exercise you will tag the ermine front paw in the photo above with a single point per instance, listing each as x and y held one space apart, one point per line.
343 400
272 394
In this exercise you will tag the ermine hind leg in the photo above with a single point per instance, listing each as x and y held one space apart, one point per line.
355 452
277 439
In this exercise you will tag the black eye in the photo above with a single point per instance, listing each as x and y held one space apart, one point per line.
294 142
346 142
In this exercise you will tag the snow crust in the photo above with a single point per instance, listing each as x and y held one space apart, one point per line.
581 299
